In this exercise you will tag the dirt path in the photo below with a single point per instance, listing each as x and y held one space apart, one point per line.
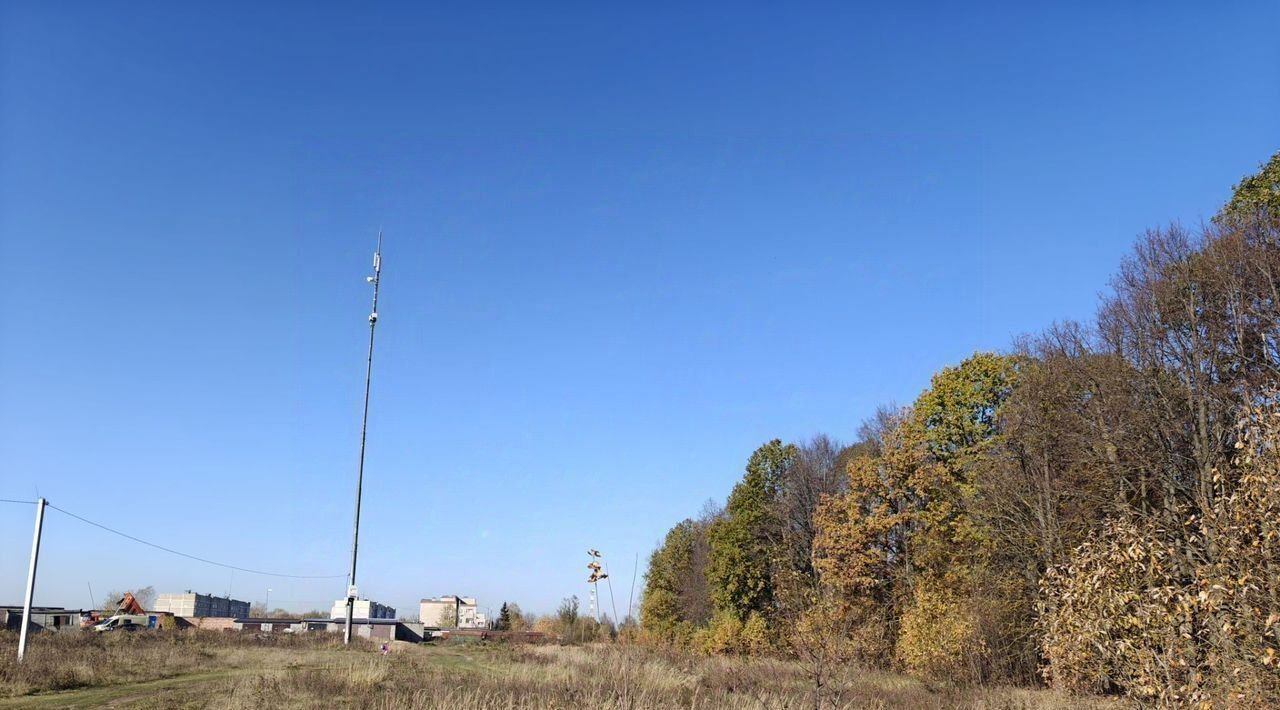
162 693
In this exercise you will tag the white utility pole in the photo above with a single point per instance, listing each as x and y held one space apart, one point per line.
376 279
31 580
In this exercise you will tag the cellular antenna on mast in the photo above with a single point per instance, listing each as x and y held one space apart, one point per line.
352 591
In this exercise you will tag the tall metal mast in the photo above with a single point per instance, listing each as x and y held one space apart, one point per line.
376 279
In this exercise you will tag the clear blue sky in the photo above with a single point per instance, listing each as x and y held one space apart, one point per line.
624 246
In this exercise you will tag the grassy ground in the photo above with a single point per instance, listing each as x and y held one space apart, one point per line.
231 670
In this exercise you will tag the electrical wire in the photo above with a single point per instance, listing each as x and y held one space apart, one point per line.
193 557
24 502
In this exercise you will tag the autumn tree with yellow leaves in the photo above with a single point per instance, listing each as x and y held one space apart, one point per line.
1096 508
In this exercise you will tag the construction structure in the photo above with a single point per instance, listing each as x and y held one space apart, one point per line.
190 604
362 609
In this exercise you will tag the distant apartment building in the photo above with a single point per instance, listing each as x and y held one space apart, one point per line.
451 611
190 604
363 609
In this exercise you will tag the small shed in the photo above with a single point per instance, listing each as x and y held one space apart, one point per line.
372 629
43 618
269 626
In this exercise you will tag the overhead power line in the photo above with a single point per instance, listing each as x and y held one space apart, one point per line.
194 557
24 502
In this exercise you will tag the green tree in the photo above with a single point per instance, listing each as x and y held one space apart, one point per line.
517 621
964 613
744 540
955 423
1256 192
661 610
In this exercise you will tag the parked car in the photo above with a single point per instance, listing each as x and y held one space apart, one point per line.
126 622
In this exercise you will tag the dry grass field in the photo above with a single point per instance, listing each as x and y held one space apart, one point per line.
231 670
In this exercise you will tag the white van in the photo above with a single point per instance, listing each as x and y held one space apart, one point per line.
126 622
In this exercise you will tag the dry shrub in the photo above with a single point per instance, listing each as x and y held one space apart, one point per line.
727 635
1187 617
872 640
939 636
547 625
1236 595
683 636
1113 614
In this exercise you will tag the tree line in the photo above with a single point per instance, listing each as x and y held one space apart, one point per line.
1096 507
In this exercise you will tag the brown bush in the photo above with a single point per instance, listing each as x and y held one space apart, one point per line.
939 637
1187 617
